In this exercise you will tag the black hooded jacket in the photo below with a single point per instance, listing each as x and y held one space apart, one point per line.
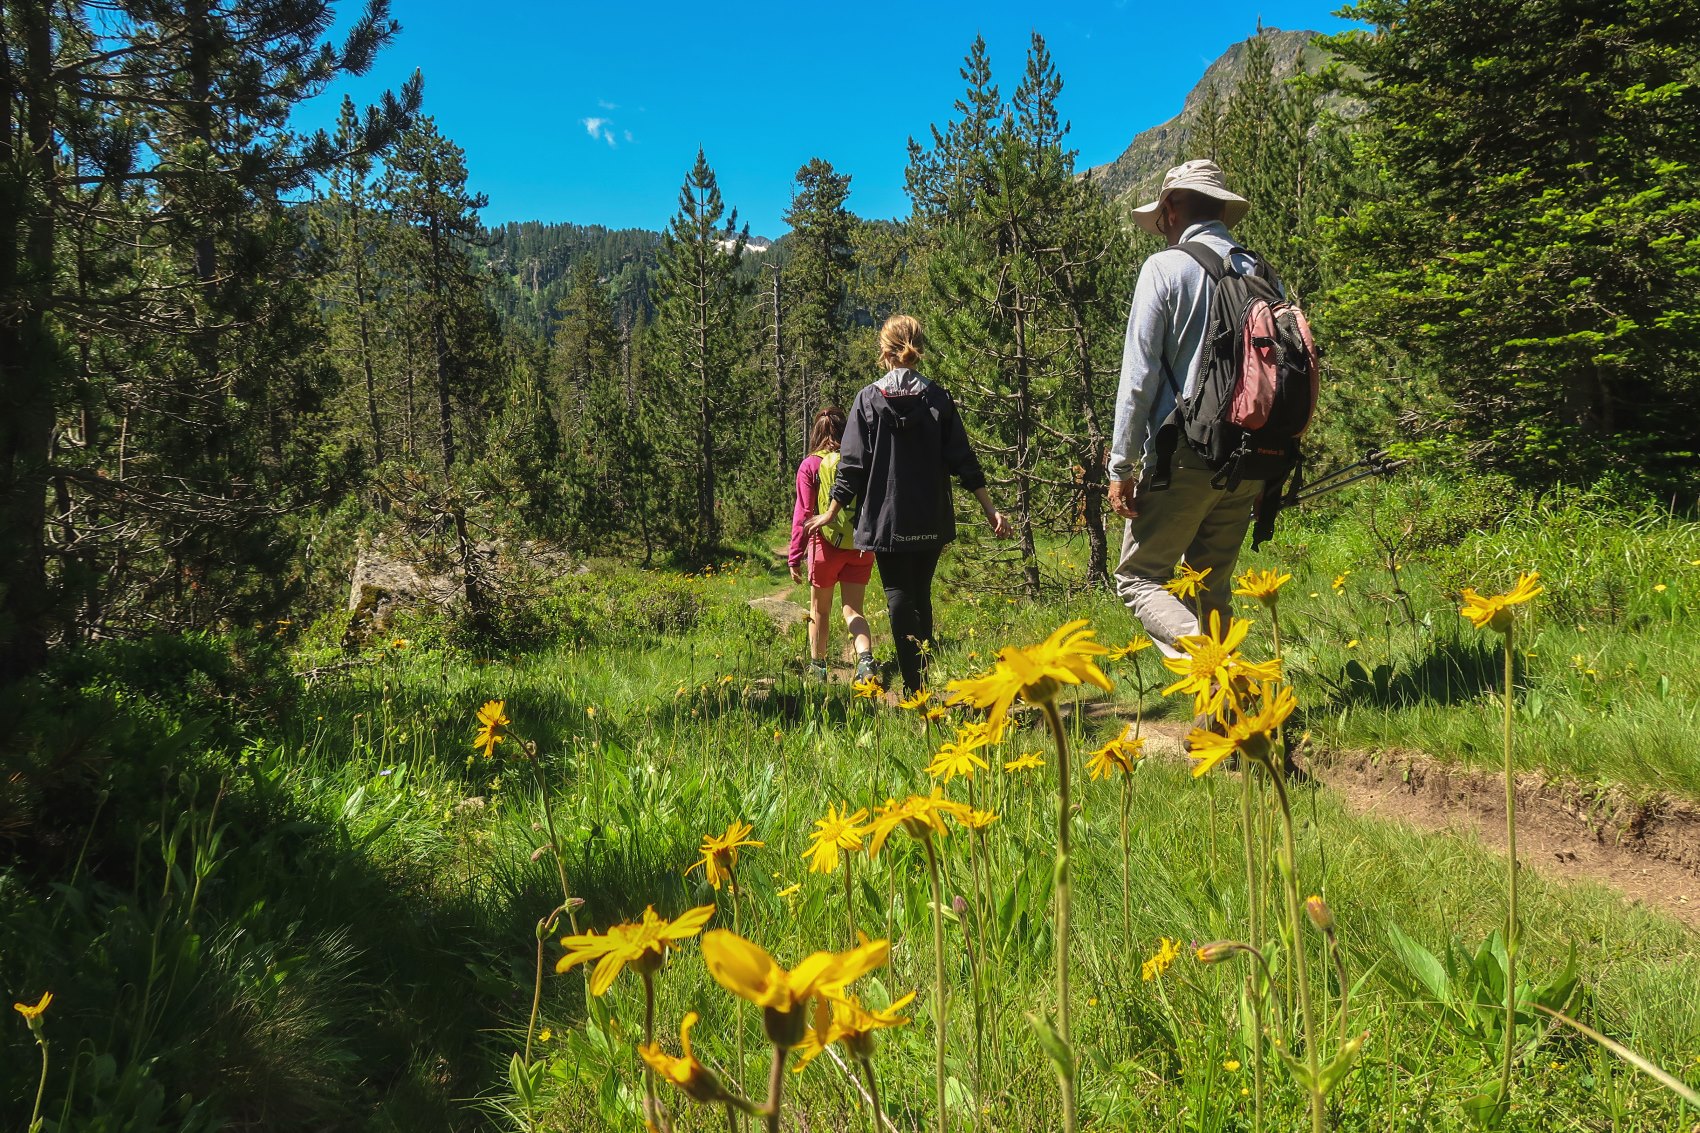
903 442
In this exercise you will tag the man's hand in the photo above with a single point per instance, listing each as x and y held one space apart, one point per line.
1001 526
814 523
1124 498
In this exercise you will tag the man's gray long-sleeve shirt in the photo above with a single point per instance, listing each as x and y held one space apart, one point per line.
1168 320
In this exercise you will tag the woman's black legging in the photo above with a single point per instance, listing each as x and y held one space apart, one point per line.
907 577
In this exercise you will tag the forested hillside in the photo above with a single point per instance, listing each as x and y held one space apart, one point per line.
256 383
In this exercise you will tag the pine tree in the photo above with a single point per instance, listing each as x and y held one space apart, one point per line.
1538 173
154 359
706 403
817 281
1025 276
425 187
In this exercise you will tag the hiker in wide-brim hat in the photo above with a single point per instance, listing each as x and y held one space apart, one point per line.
1196 517
1200 176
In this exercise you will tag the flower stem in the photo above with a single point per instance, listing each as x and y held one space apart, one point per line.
1295 920
1510 894
1065 1075
738 1010
544 928
555 849
41 1086
1127 898
873 1092
1250 836
938 976
775 1088
850 898
651 1106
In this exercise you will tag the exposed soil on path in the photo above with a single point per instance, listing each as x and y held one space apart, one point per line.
1648 851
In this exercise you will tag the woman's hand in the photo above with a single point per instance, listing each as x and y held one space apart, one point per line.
796 574
815 522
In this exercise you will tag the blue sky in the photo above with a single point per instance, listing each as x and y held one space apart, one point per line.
592 113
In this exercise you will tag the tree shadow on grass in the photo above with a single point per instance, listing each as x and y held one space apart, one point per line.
1450 673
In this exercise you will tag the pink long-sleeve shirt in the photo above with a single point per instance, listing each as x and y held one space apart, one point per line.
808 485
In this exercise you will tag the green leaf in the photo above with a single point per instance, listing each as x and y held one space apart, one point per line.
1295 1067
1421 964
1340 1065
519 1077
1052 1043
1486 1110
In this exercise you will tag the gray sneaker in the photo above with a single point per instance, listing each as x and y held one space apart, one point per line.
866 668
818 671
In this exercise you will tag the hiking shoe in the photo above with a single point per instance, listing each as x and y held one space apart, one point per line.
818 671
866 668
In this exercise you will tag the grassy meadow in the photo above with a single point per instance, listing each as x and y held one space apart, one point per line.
310 900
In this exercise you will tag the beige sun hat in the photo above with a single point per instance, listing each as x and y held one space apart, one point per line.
1201 176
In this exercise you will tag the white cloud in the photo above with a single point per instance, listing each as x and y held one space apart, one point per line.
628 135
606 105
599 128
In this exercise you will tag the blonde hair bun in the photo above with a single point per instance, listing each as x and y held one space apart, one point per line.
901 342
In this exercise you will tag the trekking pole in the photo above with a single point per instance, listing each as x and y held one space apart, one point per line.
1373 463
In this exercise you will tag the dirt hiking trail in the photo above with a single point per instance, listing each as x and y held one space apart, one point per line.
1648 851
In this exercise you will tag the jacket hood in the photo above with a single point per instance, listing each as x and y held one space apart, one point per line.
902 382
899 401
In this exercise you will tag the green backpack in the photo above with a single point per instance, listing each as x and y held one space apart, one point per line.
841 532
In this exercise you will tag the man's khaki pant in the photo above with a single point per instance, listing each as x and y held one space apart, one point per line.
1189 519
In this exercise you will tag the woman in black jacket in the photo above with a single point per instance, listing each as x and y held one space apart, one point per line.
903 443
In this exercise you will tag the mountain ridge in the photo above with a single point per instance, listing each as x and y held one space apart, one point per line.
1138 171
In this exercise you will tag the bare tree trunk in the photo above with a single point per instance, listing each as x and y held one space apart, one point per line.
1023 452
779 382
706 533
1091 453
29 358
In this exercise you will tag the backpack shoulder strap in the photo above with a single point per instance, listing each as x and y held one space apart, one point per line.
1214 266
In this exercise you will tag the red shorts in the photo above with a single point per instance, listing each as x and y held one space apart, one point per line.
829 566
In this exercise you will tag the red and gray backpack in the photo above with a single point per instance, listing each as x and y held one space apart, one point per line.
1256 389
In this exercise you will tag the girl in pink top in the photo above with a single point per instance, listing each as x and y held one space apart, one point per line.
829 566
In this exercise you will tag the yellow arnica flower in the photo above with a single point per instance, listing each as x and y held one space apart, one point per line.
1123 652
1035 674
693 1078
1339 583
492 719
838 831
1168 951
1494 611
1122 753
933 713
1188 583
869 688
917 701
1264 585
958 757
1254 734
921 815
1212 663
1027 762
747 971
643 945
720 852
31 1014
979 819
841 1019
